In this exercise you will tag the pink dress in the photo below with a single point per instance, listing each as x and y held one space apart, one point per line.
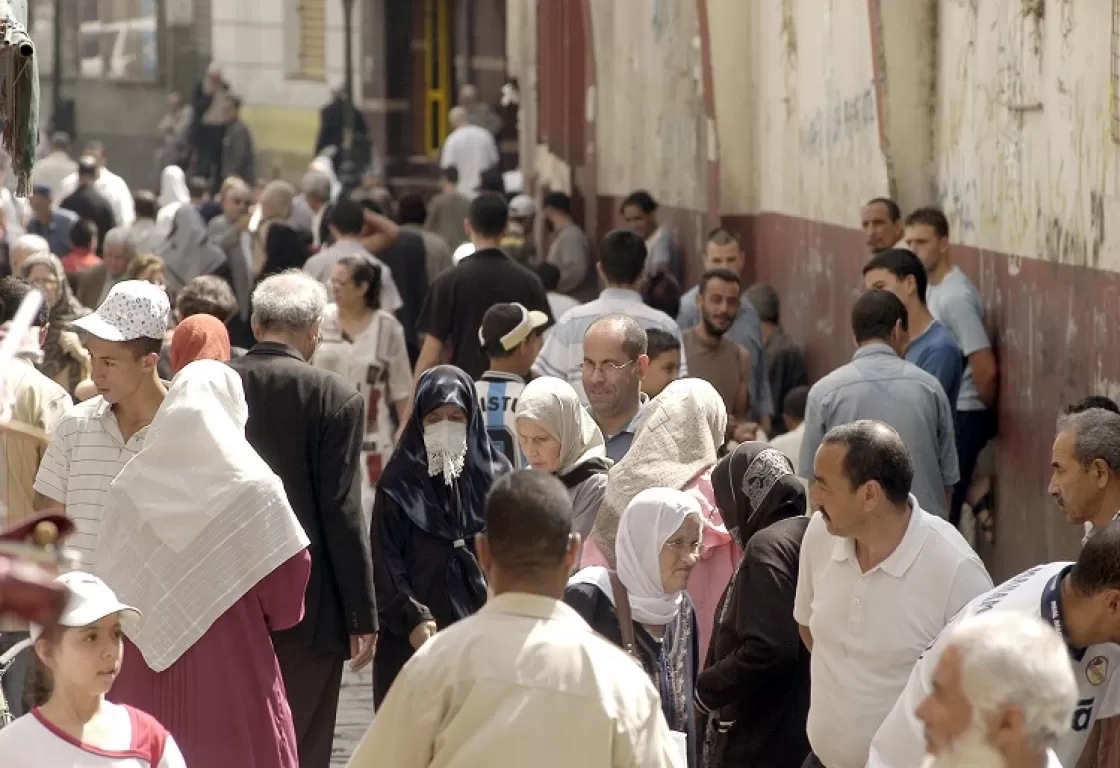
223 701
713 573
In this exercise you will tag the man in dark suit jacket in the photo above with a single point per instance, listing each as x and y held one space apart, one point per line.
307 424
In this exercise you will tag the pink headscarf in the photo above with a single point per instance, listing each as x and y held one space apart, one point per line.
199 337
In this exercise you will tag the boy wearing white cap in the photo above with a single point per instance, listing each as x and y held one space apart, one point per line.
95 439
75 725
510 336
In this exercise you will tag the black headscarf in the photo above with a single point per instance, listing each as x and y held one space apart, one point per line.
453 513
755 486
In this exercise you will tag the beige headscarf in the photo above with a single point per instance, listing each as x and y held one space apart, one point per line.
679 436
555 405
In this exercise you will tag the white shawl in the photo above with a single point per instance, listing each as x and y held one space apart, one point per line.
197 517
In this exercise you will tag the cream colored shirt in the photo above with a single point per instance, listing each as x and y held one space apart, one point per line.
524 682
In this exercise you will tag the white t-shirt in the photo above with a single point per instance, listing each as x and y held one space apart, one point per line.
900 742
139 742
472 150
870 628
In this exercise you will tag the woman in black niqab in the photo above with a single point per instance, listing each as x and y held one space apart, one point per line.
428 509
755 685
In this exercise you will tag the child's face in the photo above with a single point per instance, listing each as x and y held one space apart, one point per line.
663 371
87 659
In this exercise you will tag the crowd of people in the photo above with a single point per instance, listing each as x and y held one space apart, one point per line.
568 512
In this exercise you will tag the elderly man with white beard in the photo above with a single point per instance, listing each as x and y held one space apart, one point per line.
1003 695
1081 602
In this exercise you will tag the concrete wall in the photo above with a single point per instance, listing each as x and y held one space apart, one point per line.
255 44
999 111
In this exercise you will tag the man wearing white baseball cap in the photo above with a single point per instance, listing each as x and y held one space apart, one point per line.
95 439
510 336
75 725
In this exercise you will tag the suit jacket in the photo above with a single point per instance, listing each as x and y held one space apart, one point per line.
87 285
307 425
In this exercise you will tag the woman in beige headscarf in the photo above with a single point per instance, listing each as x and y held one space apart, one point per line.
558 435
676 446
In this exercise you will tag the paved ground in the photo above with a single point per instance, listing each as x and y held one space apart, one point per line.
355 712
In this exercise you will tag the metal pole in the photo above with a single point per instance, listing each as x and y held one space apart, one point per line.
349 182
56 68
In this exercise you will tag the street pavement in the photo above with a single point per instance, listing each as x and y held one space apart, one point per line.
355 713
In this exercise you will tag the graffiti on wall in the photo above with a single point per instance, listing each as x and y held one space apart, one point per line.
1062 240
829 126
958 199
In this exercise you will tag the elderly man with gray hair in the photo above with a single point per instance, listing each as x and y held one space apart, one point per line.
311 205
1003 695
1085 463
307 424
92 285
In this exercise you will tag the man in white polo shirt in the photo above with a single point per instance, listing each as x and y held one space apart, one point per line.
879 578
96 438
1081 601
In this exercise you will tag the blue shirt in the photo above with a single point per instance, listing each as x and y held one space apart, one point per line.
56 232
747 332
937 352
618 444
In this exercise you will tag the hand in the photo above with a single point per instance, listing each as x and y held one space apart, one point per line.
242 222
362 648
422 633
69 343
746 431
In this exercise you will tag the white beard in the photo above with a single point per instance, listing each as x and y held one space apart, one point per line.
970 750
446 463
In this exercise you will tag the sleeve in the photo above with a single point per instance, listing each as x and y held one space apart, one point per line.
946 364
438 312
553 359
814 433
411 707
966 323
803 596
54 471
172 756
400 371
281 592
900 740
390 295
946 440
769 643
345 539
399 611
970 581
660 255
647 743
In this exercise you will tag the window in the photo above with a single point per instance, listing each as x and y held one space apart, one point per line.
311 41
101 39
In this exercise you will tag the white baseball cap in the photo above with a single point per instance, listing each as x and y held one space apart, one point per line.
134 309
90 601
522 207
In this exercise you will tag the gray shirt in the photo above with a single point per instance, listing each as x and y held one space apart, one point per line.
570 253
956 304
446 213
880 385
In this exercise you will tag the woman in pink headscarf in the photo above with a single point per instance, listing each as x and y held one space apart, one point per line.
199 337
676 446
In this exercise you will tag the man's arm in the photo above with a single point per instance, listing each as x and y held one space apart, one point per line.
803 594
814 434
346 539
946 440
967 324
985 375
53 477
385 233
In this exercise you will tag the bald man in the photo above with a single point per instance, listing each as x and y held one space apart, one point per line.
470 149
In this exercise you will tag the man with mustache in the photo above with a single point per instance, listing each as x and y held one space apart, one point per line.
719 360
1081 601
1085 463
1003 695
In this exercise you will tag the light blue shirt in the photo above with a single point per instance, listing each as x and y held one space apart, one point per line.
747 332
956 304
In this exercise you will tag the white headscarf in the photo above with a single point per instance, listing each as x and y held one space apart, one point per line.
649 521
198 518
678 437
325 164
173 186
555 405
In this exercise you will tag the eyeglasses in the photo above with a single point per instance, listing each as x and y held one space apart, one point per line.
682 548
609 368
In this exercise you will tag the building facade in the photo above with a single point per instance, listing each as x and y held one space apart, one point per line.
780 117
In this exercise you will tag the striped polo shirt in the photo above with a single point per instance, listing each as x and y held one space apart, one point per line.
563 345
86 454
497 397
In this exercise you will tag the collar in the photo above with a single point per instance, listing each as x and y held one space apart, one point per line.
875 348
631 426
1052 612
904 555
502 376
532 607
490 253
275 349
621 294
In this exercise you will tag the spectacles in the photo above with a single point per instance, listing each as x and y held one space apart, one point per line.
588 368
682 548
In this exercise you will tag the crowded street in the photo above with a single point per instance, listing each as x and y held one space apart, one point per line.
628 384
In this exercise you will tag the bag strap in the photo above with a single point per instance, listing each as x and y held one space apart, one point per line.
622 610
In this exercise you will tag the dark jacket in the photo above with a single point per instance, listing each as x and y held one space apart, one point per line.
407 260
90 204
307 425
331 118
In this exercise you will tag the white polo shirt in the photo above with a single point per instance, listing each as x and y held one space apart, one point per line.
900 742
870 628
86 454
